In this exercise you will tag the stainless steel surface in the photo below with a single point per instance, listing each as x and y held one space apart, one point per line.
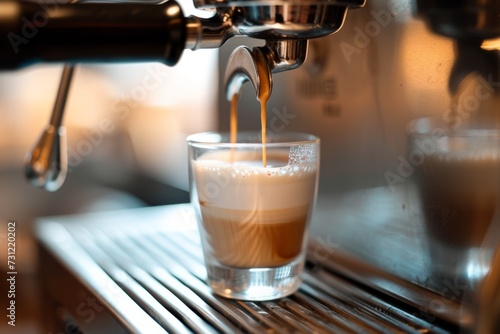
267 21
370 227
285 55
285 19
294 21
210 32
143 272
47 164
258 3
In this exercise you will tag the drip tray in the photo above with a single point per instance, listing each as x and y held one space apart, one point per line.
141 271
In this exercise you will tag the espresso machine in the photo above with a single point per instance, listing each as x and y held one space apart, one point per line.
376 81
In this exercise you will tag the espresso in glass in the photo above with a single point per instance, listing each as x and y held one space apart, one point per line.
259 218
253 218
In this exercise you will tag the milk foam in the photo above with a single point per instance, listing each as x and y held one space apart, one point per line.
237 180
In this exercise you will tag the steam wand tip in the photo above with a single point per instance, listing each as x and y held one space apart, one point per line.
47 164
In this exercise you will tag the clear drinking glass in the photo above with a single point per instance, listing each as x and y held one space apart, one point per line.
457 176
252 218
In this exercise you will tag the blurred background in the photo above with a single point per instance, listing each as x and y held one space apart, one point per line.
126 127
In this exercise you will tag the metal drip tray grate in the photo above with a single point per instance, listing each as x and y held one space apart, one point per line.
141 271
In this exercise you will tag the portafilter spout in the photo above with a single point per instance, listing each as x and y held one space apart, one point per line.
47 164
285 25
273 57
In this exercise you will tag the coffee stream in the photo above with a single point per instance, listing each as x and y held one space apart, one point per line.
234 118
263 96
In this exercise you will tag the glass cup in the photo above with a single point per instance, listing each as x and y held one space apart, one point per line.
253 219
457 176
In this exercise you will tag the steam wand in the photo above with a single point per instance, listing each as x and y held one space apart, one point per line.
47 164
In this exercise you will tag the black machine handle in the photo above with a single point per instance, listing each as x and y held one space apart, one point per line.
96 32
